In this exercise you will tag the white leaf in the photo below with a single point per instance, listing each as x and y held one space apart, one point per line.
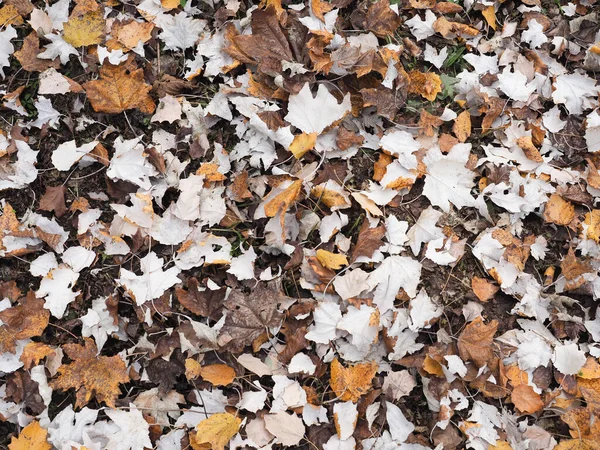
394 273
398 384
129 163
576 91
46 113
168 110
55 289
402 145
345 415
359 323
431 55
326 317
253 401
242 267
58 47
514 85
534 35
314 114
6 48
40 266
78 258
568 359
334 443
52 82
67 154
98 323
288 429
423 311
22 171
301 363
400 428
180 31
133 430
255 365
422 29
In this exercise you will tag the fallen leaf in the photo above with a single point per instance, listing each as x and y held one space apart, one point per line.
10 16
91 375
462 126
381 19
302 144
216 431
526 399
25 320
217 374
287 428
120 88
427 85
282 201
32 437
369 240
206 303
331 260
475 342
34 352
483 289
489 14
592 225
351 383
319 8
28 55
86 29
54 200
559 211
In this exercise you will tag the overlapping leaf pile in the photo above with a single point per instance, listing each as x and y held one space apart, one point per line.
324 224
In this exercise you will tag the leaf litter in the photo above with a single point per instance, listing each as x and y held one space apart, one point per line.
324 224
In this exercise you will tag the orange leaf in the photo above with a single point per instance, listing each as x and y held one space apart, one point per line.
91 375
120 88
217 374
192 369
592 221
282 201
526 399
462 126
32 437
350 383
427 85
34 352
319 8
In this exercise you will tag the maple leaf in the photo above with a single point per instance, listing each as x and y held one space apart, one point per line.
32 437
381 19
250 315
28 55
25 320
475 342
216 431
206 302
91 375
85 29
351 383
120 88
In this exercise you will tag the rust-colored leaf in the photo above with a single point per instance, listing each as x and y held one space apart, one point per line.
54 200
91 375
369 240
381 20
475 342
217 374
350 383
559 211
526 399
207 303
428 85
23 321
483 289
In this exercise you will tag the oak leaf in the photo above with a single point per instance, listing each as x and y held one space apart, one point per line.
526 399
32 437
475 342
91 375
350 383
120 88
216 431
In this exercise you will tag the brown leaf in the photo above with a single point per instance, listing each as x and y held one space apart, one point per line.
428 123
483 289
388 101
319 8
34 352
369 240
239 187
20 388
426 84
573 270
475 342
526 399
120 88
350 383
91 375
559 211
54 200
381 20
346 139
23 321
207 303
250 315
531 152
27 56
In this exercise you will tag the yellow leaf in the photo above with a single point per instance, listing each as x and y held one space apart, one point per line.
590 370
217 374
32 437
462 126
489 14
170 4
432 367
119 88
303 143
216 431
10 16
329 197
559 211
282 201
331 260
592 222
192 369
500 445
84 30
428 85
350 383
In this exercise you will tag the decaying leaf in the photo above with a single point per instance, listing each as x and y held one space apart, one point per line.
427 85
483 289
215 431
559 211
331 260
351 383
91 376
526 399
475 342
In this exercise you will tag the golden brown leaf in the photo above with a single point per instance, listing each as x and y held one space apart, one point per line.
462 126
489 14
10 16
302 144
475 342
27 56
216 431
350 383
593 178
381 20
428 123
590 370
120 88
530 150
34 352
483 289
592 223
331 260
86 29
526 399
319 8
32 437
559 211
192 369
23 321
282 201
574 270
239 187
91 375
427 85
380 166
54 200
217 374
129 33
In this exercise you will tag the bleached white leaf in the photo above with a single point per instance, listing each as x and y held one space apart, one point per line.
168 110
78 258
301 363
482 63
52 82
359 323
98 323
255 365
179 31
287 394
57 47
576 91
326 317
67 154
169 229
115 57
6 48
334 443
514 85
568 359
171 440
68 428
288 429
456 365
133 430
437 59
253 401
395 272
400 428
58 13
402 145
40 22
422 29
398 384
129 163
314 114
552 121
43 264
534 34
56 291
154 281
345 415
159 405
242 267
448 181
46 113
592 132
22 171
423 311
